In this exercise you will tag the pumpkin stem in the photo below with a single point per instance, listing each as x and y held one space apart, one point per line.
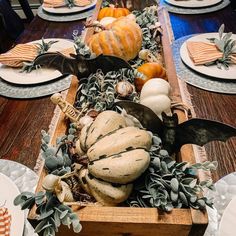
116 3
95 24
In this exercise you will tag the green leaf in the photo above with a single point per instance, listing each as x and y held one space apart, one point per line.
183 198
227 36
219 44
174 196
28 204
45 214
20 199
57 218
77 227
193 199
221 30
63 214
174 183
41 226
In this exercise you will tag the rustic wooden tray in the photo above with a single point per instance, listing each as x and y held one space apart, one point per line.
127 221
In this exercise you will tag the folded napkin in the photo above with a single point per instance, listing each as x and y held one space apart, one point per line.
25 53
5 222
19 54
63 3
202 53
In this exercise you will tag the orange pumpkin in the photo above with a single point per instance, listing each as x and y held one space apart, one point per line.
150 70
113 11
121 38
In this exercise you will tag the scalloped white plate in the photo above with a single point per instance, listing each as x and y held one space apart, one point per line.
8 193
193 3
15 76
228 220
212 70
66 10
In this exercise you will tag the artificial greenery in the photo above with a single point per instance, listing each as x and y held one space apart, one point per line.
147 19
226 45
51 213
43 47
80 47
98 91
70 3
168 184
58 159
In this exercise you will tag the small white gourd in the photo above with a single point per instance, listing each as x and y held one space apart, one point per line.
155 95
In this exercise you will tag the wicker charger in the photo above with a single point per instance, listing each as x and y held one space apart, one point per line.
64 17
34 91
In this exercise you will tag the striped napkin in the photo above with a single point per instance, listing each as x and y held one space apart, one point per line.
19 54
5 222
63 3
202 53
26 53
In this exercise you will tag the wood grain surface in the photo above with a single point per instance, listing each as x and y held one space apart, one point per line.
22 120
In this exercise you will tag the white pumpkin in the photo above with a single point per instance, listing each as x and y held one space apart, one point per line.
117 155
155 95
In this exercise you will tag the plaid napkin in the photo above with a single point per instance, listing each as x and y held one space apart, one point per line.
63 3
5 222
25 53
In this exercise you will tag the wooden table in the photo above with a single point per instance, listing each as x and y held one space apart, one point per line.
22 120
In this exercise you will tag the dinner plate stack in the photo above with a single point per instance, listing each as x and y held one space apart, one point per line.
194 6
66 13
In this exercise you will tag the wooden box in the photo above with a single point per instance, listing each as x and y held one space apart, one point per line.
127 221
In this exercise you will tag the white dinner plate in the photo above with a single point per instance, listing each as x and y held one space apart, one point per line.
228 220
41 75
67 10
8 193
212 70
193 3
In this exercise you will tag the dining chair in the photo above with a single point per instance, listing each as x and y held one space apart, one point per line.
11 26
26 9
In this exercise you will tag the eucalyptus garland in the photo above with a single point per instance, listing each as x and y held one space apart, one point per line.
147 19
51 213
98 91
58 159
168 184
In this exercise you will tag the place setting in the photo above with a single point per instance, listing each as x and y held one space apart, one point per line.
222 216
66 10
16 178
194 6
207 61
20 78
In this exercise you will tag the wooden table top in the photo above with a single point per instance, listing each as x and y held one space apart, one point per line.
22 120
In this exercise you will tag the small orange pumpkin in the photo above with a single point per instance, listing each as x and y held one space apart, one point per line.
113 11
150 70
121 38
